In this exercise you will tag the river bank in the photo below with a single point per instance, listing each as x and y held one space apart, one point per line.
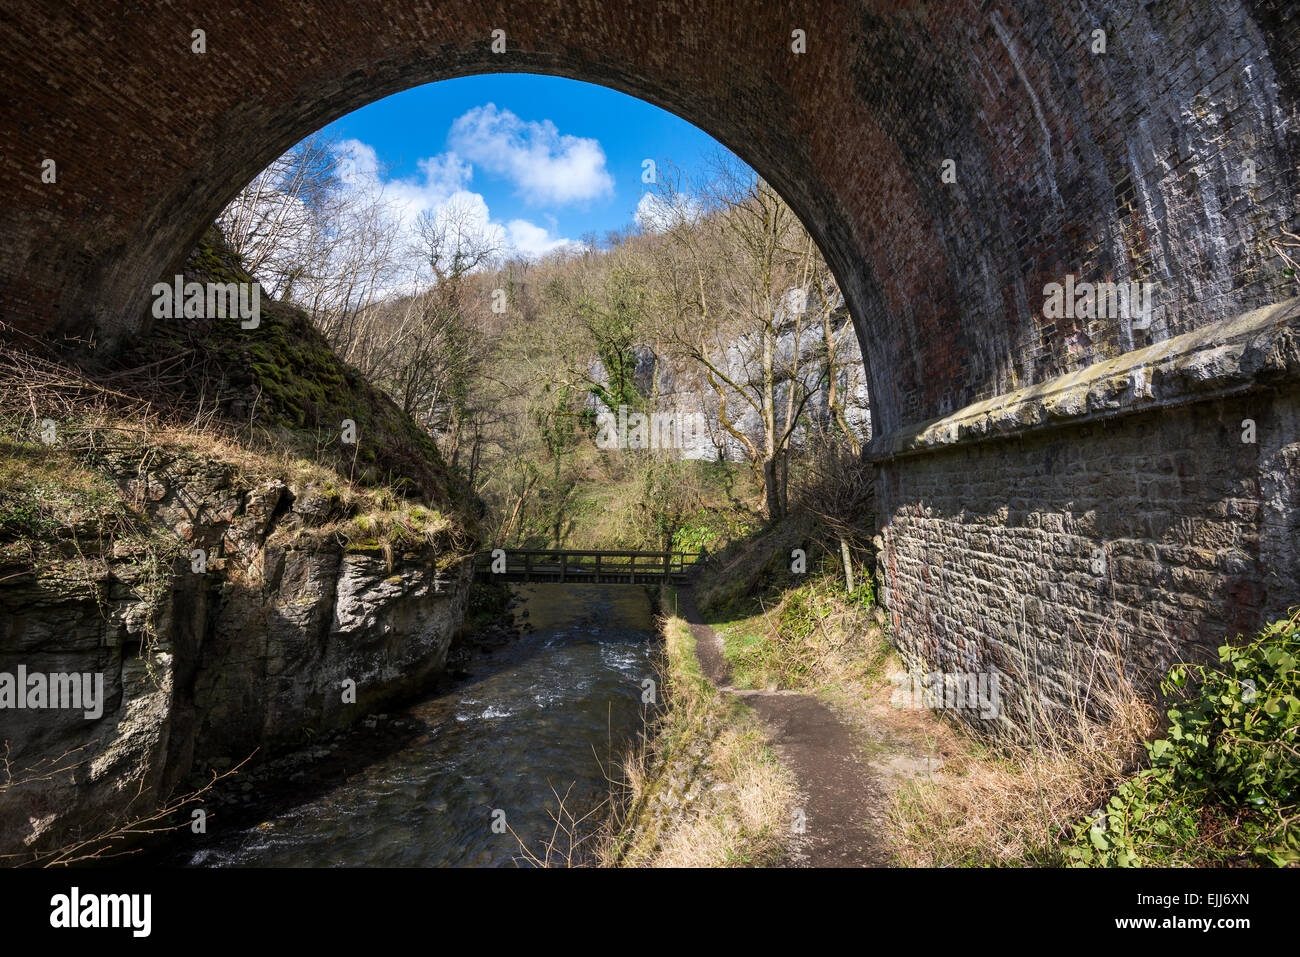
524 730
704 788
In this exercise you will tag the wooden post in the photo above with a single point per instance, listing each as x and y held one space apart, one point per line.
528 566
598 568
564 567
632 569
668 565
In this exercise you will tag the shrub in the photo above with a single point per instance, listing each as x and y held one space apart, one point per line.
1222 785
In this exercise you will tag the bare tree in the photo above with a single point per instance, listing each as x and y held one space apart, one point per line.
332 247
444 350
280 206
733 279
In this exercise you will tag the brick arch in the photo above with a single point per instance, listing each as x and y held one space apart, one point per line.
1114 166
1044 485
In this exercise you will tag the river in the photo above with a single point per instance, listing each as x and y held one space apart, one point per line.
548 714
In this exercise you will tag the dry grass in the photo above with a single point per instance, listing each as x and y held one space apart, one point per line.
115 413
95 419
991 801
1008 802
705 790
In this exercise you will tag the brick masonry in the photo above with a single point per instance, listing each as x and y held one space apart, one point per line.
1127 164
1169 158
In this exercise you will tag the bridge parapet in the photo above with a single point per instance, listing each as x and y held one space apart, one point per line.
564 566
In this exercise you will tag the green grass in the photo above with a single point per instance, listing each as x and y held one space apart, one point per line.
784 628
46 494
742 824
745 648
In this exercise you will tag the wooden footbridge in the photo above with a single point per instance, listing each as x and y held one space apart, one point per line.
561 567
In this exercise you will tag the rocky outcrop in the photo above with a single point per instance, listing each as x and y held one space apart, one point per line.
681 390
251 634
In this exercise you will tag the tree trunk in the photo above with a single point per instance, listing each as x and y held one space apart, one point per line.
772 489
474 455
785 480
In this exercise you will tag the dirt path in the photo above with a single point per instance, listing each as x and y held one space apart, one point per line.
842 797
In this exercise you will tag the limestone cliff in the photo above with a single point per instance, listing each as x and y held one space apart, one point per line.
238 585
201 669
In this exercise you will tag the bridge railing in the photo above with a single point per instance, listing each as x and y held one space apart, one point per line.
574 565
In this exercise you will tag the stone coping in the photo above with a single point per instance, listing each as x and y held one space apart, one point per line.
1233 355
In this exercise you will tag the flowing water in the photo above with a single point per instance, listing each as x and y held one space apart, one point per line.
548 714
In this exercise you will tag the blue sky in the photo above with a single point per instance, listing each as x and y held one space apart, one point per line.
544 160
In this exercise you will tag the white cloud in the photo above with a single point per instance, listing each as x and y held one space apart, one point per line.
442 177
536 241
446 171
442 190
356 163
546 166
655 215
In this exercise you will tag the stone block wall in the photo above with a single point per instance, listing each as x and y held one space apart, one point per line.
1054 552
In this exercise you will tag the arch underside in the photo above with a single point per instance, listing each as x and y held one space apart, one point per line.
1169 158
1122 165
